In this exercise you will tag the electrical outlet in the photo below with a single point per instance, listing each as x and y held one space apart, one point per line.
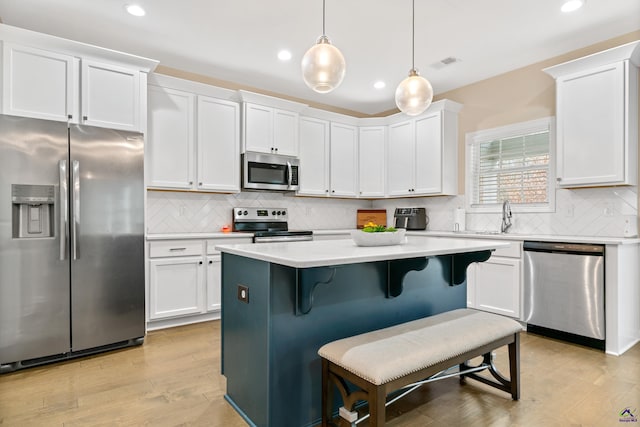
568 211
243 294
608 209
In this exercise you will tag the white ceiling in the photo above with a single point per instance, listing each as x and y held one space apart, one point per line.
238 40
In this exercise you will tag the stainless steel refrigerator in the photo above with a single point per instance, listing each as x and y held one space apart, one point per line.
71 241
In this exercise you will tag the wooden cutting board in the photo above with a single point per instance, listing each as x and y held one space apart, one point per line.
377 216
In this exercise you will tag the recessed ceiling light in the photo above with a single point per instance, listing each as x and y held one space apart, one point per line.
135 10
284 55
571 5
379 84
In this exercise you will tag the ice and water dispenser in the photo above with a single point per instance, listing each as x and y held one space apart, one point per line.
32 210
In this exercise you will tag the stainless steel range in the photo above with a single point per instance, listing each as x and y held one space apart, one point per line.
268 225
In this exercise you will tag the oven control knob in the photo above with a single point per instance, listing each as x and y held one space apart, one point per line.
279 212
273 212
284 213
246 212
239 213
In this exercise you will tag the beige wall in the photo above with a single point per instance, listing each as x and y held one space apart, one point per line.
523 94
161 69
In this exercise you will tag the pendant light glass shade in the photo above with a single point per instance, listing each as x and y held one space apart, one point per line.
414 94
323 66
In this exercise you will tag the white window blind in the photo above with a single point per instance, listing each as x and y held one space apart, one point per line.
510 163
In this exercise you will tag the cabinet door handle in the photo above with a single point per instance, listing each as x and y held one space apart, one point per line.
200 263
558 179
85 118
177 249
210 262
200 184
70 116
190 182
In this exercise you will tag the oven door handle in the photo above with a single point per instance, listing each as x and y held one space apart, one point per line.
272 239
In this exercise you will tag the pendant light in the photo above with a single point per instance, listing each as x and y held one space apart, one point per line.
414 94
323 66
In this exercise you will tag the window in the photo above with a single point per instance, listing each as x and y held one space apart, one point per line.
511 162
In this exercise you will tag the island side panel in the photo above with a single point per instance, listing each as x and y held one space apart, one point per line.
245 336
353 302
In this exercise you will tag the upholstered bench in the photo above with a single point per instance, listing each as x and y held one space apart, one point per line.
408 355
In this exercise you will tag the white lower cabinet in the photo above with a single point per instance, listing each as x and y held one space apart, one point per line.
495 285
214 283
185 280
176 287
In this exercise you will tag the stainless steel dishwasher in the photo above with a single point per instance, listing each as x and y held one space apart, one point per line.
564 291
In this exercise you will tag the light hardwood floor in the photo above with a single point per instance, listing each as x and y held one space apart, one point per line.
174 379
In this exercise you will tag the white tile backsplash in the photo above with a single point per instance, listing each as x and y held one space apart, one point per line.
190 212
608 211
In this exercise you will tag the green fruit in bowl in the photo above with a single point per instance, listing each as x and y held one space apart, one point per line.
370 227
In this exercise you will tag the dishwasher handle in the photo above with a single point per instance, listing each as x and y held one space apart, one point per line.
568 248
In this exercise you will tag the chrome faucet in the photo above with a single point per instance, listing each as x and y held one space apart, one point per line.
506 216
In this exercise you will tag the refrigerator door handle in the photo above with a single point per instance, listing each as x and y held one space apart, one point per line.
64 209
76 207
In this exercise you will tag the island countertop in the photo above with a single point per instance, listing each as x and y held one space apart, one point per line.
321 253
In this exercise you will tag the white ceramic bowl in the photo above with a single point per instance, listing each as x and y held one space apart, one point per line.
386 238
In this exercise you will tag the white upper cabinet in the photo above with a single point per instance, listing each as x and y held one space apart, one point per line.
314 157
597 118
328 158
51 78
372 165
285 132
344 160
110 96
401 159
218 142
270 130
193 139
170 139
270 125
422 153
258 128
38 83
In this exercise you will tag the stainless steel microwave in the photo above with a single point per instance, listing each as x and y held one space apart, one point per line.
269 172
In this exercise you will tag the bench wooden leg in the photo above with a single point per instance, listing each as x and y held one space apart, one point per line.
514 367
327 394
377 408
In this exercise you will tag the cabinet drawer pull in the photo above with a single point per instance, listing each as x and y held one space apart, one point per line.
177 249
210 262
85 118
200 263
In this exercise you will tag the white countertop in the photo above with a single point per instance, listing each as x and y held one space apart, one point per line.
537 237
187 236
321 253
433 233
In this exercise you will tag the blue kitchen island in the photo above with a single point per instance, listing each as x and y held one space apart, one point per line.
283 301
